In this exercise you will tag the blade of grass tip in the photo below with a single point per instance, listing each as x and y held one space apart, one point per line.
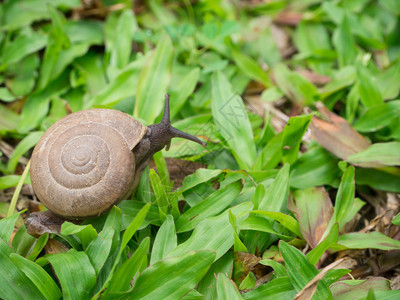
17 191
128 234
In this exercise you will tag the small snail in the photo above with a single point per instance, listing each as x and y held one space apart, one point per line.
92 159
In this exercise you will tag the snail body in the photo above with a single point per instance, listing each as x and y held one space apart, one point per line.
92 159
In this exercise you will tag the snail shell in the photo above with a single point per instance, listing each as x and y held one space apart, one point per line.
84 163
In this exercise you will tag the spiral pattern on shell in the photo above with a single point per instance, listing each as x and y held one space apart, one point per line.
84 163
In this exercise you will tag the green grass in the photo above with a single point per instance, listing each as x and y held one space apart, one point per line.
299 104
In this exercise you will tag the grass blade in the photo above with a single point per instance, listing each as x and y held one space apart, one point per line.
231 119
153 82
165 241
38 276
173 277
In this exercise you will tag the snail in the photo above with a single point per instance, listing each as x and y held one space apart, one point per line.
90 160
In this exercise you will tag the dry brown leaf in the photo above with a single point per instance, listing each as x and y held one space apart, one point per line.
244 263
54 246
315 78
308 291
338 136
283 41
289 18
313 209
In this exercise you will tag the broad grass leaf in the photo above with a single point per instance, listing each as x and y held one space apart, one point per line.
200 176
9 181
165 240
250 67
57 40
392 6
230 116
67 56
207 285
378 116
292 135
396 219
278 288
259 194
301 271
277 193
352 102
162 169
389 82
7 227
125 273
100 247
114 221
160 193
238 245
23 146
22 77
23 45
357 289
22 242
316 167
270 155
20 13
285 220
143 191
122 86
344 197
85 30
370 93
315 254
172 277
119 46
341 79
227 289
130 209
180 91
39 245
134 226
312 40
313 209
126 237
375 240
90 66
37 104
211 206
279 269
259 223
57 111
153 82
193 294
40 278
86 233
75 273
311 36
343 41
381 153
214 233
379 179
386 295
334 275
9 119
294 86
12 278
